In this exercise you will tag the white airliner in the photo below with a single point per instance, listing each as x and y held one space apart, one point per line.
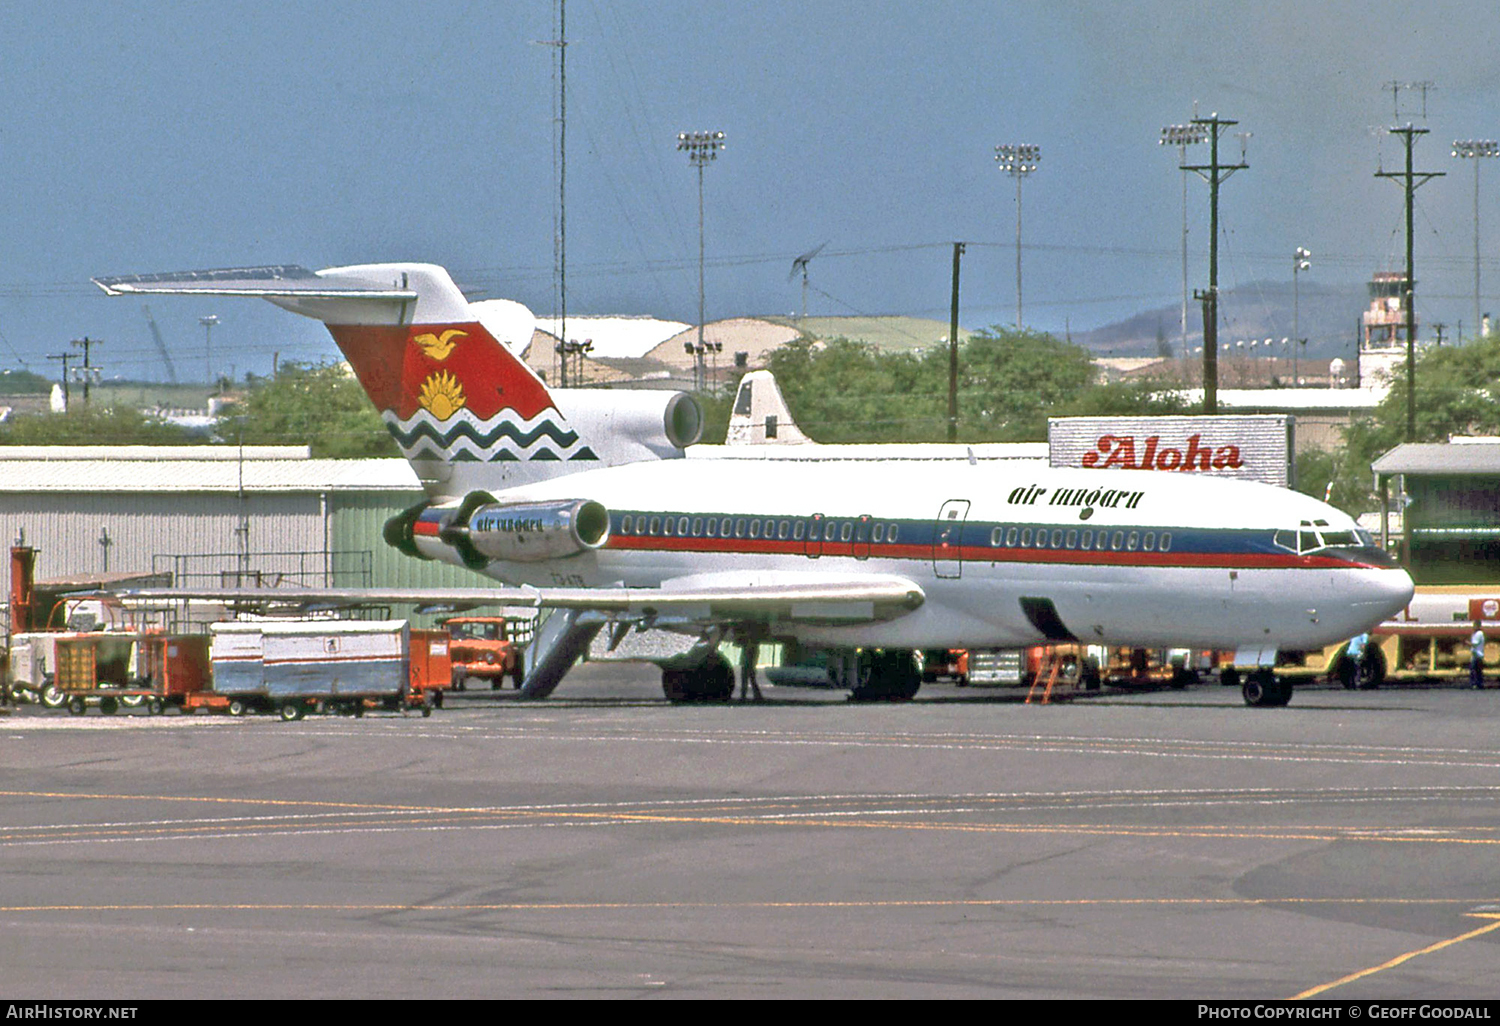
579 500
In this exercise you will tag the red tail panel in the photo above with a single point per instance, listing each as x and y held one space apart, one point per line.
452 392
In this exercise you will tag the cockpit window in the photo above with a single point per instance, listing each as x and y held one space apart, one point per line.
1314 535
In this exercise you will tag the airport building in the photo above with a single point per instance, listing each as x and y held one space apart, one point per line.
210 516
1450 493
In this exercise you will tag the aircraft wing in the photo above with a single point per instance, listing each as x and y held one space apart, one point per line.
725 597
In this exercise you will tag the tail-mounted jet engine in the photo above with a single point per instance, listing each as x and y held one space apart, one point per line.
481 529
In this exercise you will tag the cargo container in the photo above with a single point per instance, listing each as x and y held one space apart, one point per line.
292 667
110 669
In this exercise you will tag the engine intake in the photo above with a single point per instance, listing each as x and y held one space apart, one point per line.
524 532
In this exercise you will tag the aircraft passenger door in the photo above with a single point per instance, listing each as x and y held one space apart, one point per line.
947 538
862 529
815 536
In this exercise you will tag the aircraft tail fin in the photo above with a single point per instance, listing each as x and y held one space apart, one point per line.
760 415
445 374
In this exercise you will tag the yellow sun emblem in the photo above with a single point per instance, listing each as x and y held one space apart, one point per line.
441 395
438 347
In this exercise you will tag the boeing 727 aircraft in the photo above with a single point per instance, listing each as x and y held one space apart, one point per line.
579 501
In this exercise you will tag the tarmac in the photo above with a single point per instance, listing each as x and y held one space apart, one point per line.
603 844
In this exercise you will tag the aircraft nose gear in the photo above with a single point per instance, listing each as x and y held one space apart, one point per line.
1264 689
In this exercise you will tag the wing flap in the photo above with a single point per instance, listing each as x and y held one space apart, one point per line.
798 597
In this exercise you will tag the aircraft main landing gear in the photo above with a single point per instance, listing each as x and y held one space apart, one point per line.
887 675
709 681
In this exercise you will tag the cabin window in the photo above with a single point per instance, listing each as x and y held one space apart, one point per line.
711 528
799 529
995 537
755 528
682 526
1072 539
739 528
847 531
1103 542
1118 541
656 525
784 529
1166 540
1057 538
626 523
666 526
879 535
1088 540
697 527
1041 537
726 527
1133 542
890 535
1010 537
1025 537
1148 543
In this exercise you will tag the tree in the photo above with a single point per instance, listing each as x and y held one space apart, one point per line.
92 425
1458 393
21 382
846 391
1010 382
320 405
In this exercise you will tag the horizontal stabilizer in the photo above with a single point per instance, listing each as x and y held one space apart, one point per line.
287 280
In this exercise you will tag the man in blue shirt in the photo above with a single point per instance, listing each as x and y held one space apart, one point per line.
1476 657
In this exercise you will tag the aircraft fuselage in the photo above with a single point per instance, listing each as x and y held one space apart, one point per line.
1007 556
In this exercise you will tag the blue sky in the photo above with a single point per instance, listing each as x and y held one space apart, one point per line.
170 136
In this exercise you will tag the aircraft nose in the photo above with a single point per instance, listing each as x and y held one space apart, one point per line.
1386 593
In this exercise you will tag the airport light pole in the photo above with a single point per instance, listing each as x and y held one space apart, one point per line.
208 344
1476 150
701 148
1018 161
1301 261
1183 136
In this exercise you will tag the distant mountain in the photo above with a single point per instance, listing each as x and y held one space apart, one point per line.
1327 316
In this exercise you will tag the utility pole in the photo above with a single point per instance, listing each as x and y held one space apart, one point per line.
64 357
1411 180
86 344
1018 162
560 156
1476 150
958 251
1214 173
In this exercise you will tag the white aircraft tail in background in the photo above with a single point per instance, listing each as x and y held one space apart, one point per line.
760 416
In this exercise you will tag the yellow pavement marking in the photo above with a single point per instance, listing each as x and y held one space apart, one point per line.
1439 946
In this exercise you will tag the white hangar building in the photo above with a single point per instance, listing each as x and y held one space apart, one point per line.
210 516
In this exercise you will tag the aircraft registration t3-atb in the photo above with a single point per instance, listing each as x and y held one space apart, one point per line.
579 501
